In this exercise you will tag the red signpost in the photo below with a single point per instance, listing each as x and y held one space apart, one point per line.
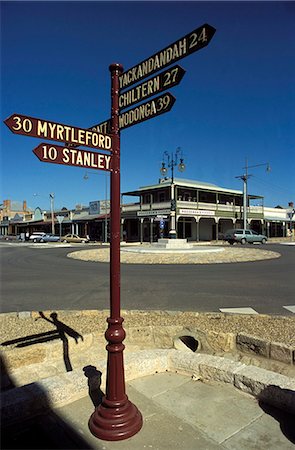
116 418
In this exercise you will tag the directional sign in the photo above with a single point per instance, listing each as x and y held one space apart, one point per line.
148 110
30 126
185 46
151 87
73 157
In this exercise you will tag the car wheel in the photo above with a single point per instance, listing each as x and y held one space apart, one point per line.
65 241
34 240
263 241
243 241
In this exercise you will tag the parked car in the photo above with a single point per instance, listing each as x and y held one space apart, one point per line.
10 237
244 236
49 237
74 238
37 236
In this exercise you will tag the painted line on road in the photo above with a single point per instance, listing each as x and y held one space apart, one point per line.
238 310
290 308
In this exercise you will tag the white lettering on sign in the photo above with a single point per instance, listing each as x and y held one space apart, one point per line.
140 92
49 153
196 212
143 112
24 125
197 39
51 130
83 158
73 157
156 62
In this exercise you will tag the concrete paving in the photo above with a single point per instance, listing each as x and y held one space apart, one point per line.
179 412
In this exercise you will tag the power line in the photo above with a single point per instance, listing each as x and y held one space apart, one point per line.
272 186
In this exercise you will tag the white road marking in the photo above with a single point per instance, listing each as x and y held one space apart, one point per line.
238 310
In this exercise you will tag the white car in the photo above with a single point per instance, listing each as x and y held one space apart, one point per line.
36 236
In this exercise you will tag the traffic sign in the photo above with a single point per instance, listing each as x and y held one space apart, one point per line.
73 157
30 126
153 108
192 42
159 83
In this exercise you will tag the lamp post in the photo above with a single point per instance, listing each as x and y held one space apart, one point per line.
291 213
86 176
245 178
51 196
172 161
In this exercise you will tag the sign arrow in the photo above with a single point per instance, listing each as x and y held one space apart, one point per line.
159 83
73 157
33 127
192 42
153 108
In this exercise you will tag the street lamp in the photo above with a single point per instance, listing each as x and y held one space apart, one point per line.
291 213
172 161
86 177
51 196
245 178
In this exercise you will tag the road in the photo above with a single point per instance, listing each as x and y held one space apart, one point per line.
45 279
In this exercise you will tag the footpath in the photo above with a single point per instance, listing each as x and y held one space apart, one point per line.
190 397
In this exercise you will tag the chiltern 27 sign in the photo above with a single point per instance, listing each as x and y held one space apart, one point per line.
185 46
151 87
30 126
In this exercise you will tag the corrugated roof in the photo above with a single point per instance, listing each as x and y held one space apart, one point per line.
185 183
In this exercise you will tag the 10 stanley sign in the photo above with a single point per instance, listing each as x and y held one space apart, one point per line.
116 418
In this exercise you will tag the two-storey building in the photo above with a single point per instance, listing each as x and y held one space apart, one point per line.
202 211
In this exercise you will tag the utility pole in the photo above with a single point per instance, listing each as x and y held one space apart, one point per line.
245 178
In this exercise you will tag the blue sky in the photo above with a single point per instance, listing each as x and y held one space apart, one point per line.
236 99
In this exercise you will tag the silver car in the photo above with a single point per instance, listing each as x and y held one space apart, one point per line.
244 236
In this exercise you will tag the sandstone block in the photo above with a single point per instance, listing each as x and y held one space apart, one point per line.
219 369
224 342
252 344
281 352
267 386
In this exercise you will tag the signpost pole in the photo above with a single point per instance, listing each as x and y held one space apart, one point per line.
116 418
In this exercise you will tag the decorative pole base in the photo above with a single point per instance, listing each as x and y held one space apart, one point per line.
113 421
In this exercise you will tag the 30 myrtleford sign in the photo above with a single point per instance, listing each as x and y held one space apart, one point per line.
30 126
185 46
72 157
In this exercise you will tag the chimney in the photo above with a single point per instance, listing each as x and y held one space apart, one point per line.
24 205
7 204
